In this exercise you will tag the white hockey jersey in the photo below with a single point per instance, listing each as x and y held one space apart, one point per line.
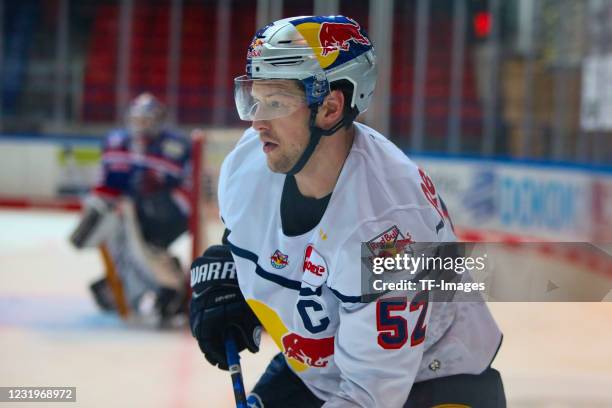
306 289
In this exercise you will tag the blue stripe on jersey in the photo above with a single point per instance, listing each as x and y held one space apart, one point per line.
279 280
345 298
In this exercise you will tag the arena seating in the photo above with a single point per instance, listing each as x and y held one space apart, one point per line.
149 63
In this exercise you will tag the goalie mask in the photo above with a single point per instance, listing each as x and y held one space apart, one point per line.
145 116
316 51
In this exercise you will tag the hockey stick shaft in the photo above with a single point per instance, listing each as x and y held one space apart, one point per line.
233 363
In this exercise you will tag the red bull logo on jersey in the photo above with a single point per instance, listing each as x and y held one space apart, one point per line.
301 353
389 242
278 260
339 36
334 39
312 352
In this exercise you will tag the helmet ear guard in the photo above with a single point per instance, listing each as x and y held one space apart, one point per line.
363 89
316 89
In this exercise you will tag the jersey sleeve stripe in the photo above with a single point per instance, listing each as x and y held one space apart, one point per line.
345 298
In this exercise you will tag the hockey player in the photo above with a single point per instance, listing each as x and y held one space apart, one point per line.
140 206
303 188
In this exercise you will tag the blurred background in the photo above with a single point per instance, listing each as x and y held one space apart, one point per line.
519 78
507 105
526 85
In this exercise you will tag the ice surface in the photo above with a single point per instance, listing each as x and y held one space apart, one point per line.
52 334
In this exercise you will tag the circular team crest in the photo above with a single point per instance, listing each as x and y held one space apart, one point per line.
278 260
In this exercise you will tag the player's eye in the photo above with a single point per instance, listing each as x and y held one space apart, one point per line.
275 104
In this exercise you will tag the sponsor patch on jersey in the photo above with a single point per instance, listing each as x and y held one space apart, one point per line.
315 267
278 260
309 351
389 242
173 149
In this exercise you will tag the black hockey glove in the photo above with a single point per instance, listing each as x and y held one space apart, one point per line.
218 307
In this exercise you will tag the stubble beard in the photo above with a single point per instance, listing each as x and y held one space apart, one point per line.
284 162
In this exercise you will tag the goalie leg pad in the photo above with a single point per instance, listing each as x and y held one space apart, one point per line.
102 295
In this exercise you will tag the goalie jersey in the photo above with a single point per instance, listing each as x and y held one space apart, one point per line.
140 166
306 289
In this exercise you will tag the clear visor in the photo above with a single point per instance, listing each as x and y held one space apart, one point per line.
265 99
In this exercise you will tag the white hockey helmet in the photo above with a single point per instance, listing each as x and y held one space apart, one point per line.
316 50
145 115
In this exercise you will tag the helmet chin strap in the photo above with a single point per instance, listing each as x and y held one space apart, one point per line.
315 136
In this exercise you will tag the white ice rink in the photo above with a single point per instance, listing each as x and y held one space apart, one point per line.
51 334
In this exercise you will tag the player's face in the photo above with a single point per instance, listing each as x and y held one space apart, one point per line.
142 125
285 137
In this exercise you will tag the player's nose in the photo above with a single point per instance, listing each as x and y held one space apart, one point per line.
261 125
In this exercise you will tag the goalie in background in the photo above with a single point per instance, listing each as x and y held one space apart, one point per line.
140 206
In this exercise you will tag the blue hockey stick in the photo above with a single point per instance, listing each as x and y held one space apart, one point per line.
233 363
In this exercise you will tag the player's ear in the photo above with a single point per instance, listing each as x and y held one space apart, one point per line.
331 110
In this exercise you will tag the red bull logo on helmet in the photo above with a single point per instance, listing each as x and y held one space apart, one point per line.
339 36
312 352
255 48
334 39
